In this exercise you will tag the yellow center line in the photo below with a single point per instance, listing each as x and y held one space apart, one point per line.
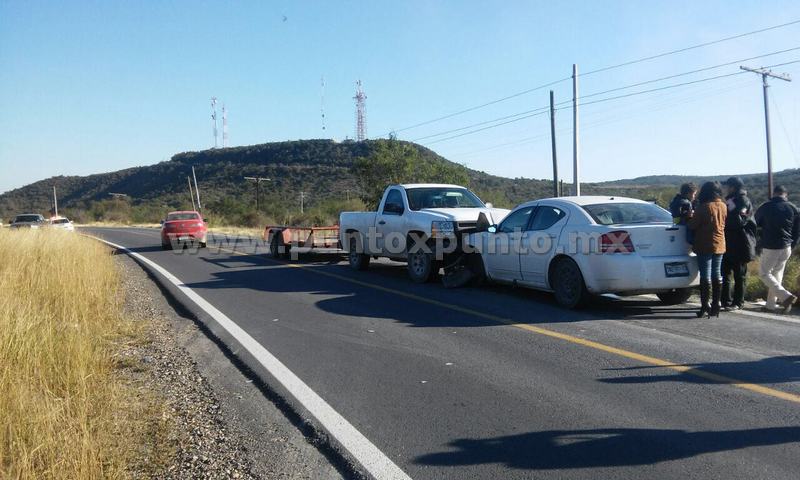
791 397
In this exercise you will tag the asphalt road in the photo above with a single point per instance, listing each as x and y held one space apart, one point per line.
501 383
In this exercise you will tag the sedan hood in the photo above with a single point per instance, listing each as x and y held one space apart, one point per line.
494 215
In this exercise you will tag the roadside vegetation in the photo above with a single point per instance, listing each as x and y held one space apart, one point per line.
65 411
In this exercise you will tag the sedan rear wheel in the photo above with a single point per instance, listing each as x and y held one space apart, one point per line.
676 296
568 285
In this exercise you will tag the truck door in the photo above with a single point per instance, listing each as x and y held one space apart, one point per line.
390 224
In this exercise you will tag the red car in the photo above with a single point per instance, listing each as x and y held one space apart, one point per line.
186 227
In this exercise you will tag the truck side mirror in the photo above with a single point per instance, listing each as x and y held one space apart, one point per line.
489 205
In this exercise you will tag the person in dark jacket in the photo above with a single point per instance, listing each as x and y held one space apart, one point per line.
708 225
780 233
740 244
682 205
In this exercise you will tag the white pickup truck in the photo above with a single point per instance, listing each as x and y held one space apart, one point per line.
417 223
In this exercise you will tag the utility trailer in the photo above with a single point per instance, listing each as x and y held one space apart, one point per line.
283 239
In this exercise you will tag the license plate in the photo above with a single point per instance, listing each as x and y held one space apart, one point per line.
676 269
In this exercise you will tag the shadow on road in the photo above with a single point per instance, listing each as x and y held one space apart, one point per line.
352 298
783 369
609 447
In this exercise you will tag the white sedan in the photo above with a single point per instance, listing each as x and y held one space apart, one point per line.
589 245
62 223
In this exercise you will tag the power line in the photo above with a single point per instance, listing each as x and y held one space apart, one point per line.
477 107
480 123
678 85
591 72
646 82
693 47
487 128
704 69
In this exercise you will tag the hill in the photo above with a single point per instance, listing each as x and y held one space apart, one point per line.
323 169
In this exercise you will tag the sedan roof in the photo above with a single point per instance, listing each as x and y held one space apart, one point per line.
586 200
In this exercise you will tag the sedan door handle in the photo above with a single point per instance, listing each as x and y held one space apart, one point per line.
382 222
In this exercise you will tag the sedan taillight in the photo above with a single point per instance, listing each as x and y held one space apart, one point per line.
618 241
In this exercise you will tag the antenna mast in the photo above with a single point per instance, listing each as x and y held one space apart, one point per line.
322 101
224 127
361 113
214 118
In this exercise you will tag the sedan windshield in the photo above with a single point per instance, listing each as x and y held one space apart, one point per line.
182 216
442 197
627 213
60 220
27 218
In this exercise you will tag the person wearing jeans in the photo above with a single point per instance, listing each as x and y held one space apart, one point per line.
779 221
708 224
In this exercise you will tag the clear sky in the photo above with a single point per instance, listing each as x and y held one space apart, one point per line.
95 86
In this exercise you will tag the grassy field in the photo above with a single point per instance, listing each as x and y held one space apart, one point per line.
65 412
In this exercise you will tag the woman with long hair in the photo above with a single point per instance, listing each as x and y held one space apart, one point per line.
708 224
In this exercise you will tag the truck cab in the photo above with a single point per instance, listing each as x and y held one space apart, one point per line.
417 223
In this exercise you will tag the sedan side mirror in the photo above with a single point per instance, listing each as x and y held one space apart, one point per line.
205 220
162 222
492 229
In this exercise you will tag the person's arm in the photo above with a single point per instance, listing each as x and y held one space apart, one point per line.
700 217
760 215
796 229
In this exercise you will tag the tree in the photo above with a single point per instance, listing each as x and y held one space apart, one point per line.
392 162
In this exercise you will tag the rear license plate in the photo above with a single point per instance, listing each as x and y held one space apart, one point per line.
676 269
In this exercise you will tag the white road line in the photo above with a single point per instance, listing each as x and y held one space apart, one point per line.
365 452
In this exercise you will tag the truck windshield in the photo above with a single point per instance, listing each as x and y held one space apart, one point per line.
442 197
27 218
627 213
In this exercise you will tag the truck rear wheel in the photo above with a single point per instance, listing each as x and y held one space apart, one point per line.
358 261
421 267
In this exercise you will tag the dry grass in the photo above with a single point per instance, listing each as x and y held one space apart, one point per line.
65 412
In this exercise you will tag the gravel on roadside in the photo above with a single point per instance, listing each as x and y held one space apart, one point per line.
208 434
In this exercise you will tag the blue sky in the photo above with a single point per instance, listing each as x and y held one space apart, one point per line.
95 86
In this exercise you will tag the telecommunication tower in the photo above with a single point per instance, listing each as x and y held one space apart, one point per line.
322 101
224 127
361 112
214 118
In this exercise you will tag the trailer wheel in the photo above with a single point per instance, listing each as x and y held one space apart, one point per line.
358 261
277 249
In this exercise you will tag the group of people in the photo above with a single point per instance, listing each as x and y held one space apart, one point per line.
726 234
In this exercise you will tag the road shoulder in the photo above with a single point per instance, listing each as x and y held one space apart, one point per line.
225 427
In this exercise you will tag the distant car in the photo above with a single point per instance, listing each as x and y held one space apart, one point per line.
62 223
182 227
28 220
580 246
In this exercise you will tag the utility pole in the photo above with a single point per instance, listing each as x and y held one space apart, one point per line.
576 176
302 199
553 143
764 75
191 193
257 181
361 112
224 127
55 202
196 190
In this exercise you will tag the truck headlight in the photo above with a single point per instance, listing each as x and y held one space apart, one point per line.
442 229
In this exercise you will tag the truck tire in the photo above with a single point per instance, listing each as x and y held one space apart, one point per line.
357 260
676 296
422 267
567 283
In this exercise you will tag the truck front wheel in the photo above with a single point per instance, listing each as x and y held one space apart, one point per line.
422 267
358 261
